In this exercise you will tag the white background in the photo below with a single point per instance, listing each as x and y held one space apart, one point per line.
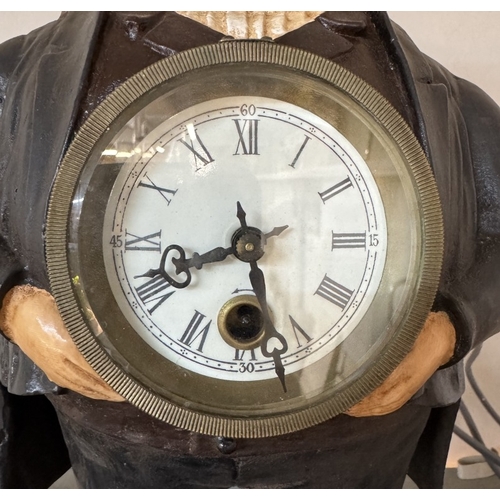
466 43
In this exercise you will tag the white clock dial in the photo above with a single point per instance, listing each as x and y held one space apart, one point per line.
289 169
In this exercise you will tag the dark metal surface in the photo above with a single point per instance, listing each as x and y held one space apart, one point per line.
19 375
114 445
32 450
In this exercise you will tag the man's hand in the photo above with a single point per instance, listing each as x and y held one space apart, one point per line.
433 348
29 317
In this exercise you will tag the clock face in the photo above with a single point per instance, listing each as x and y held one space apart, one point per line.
288 169
244 240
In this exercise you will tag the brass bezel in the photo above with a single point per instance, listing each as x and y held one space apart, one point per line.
146 81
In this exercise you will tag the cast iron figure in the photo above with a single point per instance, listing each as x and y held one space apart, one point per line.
50 81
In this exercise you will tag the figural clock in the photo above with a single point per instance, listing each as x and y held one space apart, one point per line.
244 239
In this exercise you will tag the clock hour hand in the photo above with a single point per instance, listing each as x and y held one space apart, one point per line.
182 264
160 271
218 254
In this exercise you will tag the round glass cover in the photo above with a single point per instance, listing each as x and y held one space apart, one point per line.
246 243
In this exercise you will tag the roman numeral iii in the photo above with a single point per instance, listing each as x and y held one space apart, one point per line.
348 240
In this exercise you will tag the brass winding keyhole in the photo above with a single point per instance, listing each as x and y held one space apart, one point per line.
241 322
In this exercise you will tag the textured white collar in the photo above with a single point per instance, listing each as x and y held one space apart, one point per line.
252 24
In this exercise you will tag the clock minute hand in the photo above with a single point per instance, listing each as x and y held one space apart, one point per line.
270 333
258 282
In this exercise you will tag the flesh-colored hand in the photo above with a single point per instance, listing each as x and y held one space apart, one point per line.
29 317
433 348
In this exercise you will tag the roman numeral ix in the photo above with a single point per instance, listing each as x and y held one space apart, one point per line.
149 243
